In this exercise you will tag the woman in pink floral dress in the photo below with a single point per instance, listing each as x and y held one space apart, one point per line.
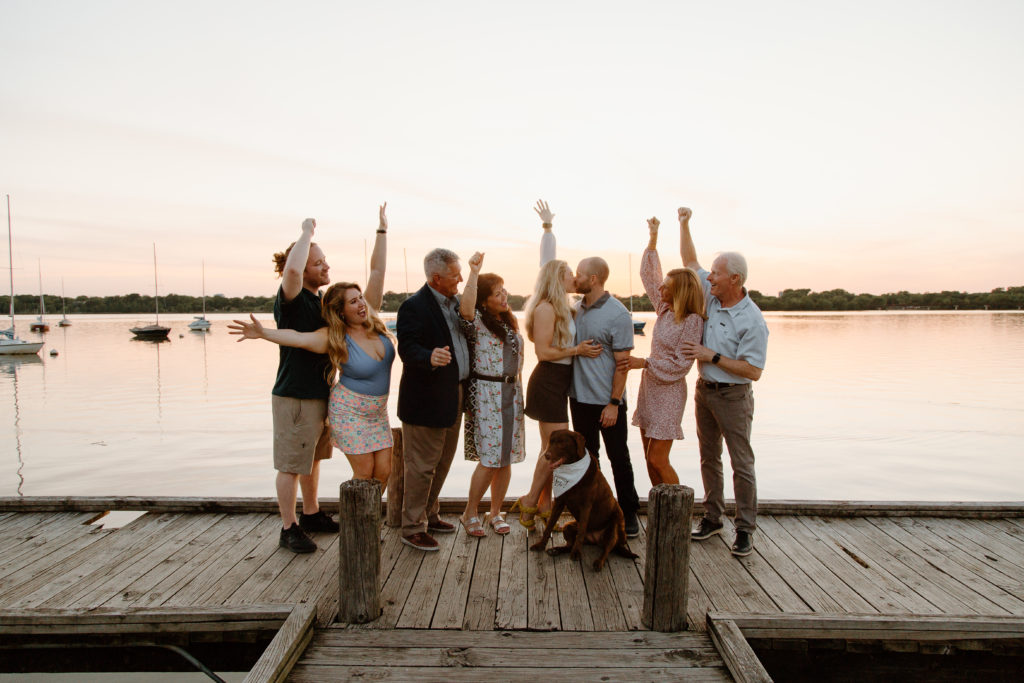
679 301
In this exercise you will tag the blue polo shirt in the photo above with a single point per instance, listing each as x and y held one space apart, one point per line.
608 323
736 332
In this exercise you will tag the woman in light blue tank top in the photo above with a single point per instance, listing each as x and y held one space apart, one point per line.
361 353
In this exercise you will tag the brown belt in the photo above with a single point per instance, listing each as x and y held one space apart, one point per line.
719 385
507 379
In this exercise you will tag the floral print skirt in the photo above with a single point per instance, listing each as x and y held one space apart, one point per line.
359 423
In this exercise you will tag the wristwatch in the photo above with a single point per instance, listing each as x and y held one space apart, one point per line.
615 401
718 357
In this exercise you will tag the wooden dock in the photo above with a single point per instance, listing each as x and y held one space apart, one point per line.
492 608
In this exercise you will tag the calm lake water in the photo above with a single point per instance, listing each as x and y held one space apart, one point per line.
863 406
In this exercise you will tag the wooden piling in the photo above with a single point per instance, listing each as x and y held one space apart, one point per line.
396 482
359 551
667 571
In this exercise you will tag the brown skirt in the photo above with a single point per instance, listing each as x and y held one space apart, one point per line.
547 393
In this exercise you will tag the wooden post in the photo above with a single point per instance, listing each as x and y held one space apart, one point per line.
396 482
359 551
667 573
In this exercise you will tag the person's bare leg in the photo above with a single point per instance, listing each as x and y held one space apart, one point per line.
382 466
499 485
652 473
362 465
657 460
478 483
540 489
287 485
310 485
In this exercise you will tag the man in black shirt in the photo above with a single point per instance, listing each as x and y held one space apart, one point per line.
300 394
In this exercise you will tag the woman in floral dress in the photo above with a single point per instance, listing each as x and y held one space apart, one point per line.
679 301
494 399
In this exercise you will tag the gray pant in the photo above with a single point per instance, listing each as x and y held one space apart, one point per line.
427 454
727 412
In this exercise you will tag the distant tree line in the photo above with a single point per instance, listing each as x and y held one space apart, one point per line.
1008 298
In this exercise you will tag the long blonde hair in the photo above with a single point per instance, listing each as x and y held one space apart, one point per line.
332 309
687 293
549 288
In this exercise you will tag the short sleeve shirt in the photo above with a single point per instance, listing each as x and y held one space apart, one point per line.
736 332
300 373
608 323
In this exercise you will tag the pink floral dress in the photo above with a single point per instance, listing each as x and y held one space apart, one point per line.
662 395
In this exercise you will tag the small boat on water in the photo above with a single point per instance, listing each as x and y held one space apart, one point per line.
10 345
156 332
63 322
40 324
638 326
201 324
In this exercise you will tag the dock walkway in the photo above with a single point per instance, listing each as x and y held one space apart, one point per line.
222 558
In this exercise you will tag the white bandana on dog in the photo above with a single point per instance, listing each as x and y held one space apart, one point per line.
566 476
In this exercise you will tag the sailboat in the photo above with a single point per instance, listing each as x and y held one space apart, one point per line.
155 332
201 324
64 322
9 342
638 325
40 325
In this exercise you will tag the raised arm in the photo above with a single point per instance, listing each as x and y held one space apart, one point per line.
468 302
291 278
374 293
650 265
686 248
547 240
311 341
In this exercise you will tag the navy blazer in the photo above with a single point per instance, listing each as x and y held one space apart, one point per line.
427 396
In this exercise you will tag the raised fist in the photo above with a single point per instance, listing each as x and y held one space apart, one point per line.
684 213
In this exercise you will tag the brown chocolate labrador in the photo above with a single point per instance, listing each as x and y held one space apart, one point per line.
599 519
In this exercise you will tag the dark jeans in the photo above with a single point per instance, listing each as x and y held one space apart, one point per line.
586 419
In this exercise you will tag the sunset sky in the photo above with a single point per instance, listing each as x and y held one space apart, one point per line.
870 146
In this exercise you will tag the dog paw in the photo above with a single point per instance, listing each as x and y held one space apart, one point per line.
538 546
597 565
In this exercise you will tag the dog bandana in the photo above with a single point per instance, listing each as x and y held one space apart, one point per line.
566 476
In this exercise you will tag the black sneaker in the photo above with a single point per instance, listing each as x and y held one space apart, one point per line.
706 529
744 544
632 526
318 521
295 539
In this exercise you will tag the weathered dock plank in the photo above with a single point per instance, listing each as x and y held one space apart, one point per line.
767 577
451 611
482 599
542 612
426 587
511 608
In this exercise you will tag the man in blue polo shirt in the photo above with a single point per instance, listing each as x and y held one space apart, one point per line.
597 396
730 360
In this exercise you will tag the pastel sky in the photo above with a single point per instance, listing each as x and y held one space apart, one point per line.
873 146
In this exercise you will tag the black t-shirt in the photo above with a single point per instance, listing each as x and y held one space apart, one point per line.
300 373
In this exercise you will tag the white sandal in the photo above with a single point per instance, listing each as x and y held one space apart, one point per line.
499 525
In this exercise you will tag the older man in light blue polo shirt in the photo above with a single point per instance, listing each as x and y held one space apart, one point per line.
730 360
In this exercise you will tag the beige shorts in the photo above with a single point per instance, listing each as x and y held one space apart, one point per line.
300 433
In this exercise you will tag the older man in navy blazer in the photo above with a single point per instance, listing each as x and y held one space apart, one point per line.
435 362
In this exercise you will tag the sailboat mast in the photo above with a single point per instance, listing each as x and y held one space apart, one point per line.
156 288
63 306
42 306
204 288
10 256
630 283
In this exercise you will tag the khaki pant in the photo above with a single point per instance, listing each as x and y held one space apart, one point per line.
428 454
727 412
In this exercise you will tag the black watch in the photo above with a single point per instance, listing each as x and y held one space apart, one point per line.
615 401
718 357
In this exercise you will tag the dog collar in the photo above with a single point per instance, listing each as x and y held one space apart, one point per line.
566 476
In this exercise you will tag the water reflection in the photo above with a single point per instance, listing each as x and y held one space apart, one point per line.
12 367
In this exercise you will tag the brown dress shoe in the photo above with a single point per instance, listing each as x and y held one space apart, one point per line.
440 526
421 541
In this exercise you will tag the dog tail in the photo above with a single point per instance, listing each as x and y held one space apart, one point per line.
623 551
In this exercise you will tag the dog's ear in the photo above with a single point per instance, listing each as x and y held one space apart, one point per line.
581 444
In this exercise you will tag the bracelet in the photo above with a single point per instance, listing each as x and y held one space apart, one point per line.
382 232
545 225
